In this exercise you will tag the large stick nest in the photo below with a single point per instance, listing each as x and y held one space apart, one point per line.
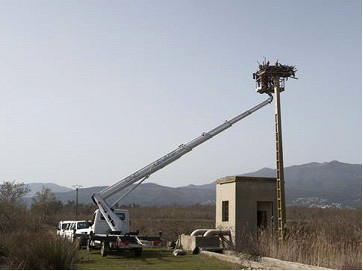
278 69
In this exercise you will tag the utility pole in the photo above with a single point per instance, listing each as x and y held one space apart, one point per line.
271 79
77 187
280 179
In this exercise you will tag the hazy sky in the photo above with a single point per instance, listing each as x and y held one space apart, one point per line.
94 90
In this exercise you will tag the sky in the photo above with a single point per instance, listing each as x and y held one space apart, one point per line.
92 91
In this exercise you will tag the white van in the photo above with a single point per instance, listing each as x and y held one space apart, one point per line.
78 231
63 226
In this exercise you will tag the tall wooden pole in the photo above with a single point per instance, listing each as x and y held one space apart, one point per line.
281 209
77 202
77 187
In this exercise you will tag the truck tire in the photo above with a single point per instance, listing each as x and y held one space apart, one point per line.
137 252
104 248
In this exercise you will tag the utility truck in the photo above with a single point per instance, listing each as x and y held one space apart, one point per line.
110 227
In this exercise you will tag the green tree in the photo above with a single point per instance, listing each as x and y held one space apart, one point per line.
44 204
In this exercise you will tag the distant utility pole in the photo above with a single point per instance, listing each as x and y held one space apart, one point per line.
77 186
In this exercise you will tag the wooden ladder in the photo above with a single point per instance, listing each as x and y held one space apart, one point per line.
280 180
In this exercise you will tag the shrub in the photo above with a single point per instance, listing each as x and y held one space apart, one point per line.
39 251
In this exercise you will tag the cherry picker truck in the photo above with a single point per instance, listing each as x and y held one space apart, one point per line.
117 236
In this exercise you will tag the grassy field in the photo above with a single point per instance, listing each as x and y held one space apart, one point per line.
151 259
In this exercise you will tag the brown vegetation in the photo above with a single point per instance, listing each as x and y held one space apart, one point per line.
322 237
325 237
27 240
171 220
25 250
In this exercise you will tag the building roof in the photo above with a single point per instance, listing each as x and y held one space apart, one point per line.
232 179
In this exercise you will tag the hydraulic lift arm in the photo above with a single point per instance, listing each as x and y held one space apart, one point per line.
100 198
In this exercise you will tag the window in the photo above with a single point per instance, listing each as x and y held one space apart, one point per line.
121 216
82 225
225 210
65 226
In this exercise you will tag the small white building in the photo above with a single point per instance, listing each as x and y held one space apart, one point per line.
244 205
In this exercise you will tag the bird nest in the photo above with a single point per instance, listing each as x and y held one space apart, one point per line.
267 75
277 70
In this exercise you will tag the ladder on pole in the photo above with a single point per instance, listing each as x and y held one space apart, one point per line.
280 180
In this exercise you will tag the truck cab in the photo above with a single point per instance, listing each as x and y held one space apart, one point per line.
99 224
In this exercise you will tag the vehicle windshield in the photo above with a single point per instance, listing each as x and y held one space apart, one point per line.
82 225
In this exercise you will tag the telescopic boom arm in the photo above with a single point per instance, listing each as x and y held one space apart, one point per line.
142 174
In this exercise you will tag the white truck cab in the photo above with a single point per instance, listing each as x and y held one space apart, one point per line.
99 225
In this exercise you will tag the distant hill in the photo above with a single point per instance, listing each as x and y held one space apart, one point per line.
149 194
314 184
36 187
330 183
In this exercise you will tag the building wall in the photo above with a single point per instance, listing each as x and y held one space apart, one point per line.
247 196
250 195
226 192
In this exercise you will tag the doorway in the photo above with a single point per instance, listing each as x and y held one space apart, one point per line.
264 215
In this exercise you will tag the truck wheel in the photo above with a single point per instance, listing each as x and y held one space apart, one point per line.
104 249
137 252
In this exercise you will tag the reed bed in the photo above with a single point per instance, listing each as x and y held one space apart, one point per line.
329 238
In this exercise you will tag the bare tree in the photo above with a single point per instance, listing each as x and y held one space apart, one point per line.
11 203
44 204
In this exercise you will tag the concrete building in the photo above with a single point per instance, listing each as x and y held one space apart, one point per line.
245 204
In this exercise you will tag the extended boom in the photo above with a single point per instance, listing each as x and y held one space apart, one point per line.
142 174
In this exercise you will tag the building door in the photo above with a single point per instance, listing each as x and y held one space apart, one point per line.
264 215
262 220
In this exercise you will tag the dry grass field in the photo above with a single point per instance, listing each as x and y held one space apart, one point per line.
324 237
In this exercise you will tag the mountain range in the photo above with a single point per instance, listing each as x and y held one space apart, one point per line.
330 184
37 187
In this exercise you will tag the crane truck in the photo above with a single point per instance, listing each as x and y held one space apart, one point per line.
110 227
